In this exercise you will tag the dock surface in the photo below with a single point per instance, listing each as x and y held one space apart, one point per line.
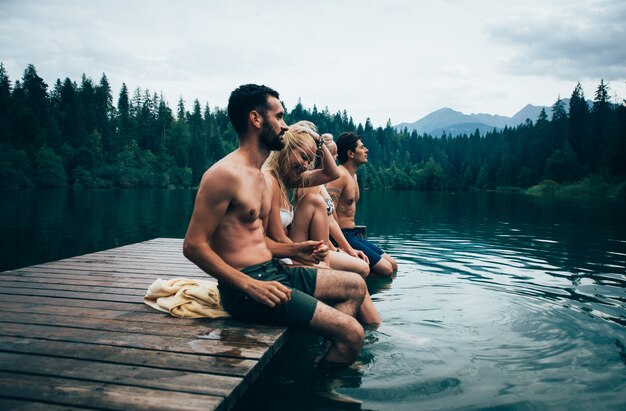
75 334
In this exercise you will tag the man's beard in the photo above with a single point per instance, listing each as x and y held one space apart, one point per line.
269 138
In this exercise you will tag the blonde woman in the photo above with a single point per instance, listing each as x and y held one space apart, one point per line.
343 257
288 169
292 168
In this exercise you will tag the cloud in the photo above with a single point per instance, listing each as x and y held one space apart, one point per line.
574 41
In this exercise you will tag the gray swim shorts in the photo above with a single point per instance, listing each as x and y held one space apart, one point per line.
298 311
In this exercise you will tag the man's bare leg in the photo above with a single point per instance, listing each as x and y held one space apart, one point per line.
383 268
392 261
367 313
345 291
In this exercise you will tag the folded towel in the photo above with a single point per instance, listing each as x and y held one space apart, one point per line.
185 298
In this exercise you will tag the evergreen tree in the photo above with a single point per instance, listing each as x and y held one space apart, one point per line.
104 112
76 132
31 120
579 124
5 106
601 115
122 135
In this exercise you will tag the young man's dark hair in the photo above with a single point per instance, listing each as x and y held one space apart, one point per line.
245 99
346 141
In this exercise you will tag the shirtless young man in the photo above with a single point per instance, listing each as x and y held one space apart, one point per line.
345 193
226 239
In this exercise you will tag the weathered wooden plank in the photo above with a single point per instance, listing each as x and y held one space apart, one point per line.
190 329
73 295
76 332
138 376
79 280
79 289
65 391
149 316
71 302
104 274
144 341
8 404
121 265
237 367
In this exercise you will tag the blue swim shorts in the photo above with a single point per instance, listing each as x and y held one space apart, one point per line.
358 242
298 311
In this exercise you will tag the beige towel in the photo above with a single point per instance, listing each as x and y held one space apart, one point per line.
186 298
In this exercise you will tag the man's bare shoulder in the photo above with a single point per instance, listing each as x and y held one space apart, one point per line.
224 176
344 177
269 176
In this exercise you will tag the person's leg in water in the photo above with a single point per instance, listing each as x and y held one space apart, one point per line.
340 294
340 260
311 223
345 291
381 264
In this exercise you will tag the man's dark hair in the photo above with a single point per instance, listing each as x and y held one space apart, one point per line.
243 100
346 141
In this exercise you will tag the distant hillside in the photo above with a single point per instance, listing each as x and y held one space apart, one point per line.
452 122
461 128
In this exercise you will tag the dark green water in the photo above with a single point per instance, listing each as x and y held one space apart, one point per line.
501 301
45 225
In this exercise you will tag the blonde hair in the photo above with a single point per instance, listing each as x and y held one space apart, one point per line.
297 138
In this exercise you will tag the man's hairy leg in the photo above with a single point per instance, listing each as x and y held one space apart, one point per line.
345 292
343 332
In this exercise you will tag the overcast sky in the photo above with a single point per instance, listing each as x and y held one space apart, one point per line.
398 59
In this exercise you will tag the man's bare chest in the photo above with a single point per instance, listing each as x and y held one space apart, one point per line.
252 201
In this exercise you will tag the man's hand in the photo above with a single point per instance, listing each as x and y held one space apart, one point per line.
270 293
311 251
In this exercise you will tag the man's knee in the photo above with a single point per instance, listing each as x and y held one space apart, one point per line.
392 261
357 334
359 287
383 268
353 336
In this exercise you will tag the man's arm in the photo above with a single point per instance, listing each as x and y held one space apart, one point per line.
328 172
335 188
310 251
217 189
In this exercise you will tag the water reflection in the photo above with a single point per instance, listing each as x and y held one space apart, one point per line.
43 225
501 300
521 298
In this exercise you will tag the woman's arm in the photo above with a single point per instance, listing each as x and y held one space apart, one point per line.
275 229
329 170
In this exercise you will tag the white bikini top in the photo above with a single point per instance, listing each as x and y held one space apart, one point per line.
330 206
286 217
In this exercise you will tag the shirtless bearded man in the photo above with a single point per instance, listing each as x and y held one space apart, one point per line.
226 239
351 154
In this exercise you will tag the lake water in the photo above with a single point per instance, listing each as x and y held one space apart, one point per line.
501 301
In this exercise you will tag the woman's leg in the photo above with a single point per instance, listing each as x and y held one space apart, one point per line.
310 221
340 260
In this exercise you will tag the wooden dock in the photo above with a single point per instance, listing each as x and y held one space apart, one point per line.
75 334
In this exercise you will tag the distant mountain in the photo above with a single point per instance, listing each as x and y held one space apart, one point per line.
454 122
461 128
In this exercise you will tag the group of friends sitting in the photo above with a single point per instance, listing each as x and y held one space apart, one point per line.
274 223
